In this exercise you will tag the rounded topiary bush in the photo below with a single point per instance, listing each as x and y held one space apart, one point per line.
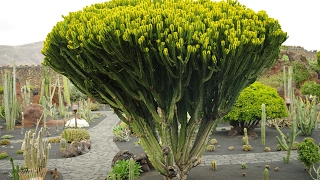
246 113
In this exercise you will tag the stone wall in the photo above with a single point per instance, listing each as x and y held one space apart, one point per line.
32 74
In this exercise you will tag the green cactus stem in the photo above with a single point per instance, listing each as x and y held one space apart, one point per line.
63 144
66 89
266 174
35 150
245 139
22 122
213 165
131 169
287 141
15 170
263 124
11 103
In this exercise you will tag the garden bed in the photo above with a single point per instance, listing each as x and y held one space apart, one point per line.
292 170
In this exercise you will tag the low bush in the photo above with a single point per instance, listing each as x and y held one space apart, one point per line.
310 88
121 168
300 73
75 134
3 155
308 153
5 142
121 132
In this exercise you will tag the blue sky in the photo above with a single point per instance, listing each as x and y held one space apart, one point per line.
23 22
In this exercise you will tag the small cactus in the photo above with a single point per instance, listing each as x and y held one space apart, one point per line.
214 165
213 141
266 174
267 149
244 166
295 146
231 148
267 166
247 147
210 148
63 144
279 148
276 169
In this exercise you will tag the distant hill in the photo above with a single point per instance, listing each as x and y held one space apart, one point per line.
28 54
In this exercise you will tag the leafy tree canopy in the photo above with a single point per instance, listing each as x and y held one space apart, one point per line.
157 60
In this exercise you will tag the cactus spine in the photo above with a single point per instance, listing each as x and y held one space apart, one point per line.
263 124
35 150
131 169
266 174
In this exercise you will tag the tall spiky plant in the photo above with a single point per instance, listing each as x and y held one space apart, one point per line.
11 103
157 61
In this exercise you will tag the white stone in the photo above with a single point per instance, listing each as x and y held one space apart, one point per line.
80 123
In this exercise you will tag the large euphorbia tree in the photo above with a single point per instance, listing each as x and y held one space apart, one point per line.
155 61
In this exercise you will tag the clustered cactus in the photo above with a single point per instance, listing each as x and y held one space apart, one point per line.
35 150
211 147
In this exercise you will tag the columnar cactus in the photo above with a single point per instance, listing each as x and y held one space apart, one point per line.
179 57
131 169
11 103
35 150
263 124
63 144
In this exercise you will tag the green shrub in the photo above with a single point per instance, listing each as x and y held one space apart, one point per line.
75 134
5 142
300 73
308 152
3 155
7 136
1 89
274 80
19 151
94 106
248 105
2 112
318 58
310 88
122 168
121 132
285 58
76 95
